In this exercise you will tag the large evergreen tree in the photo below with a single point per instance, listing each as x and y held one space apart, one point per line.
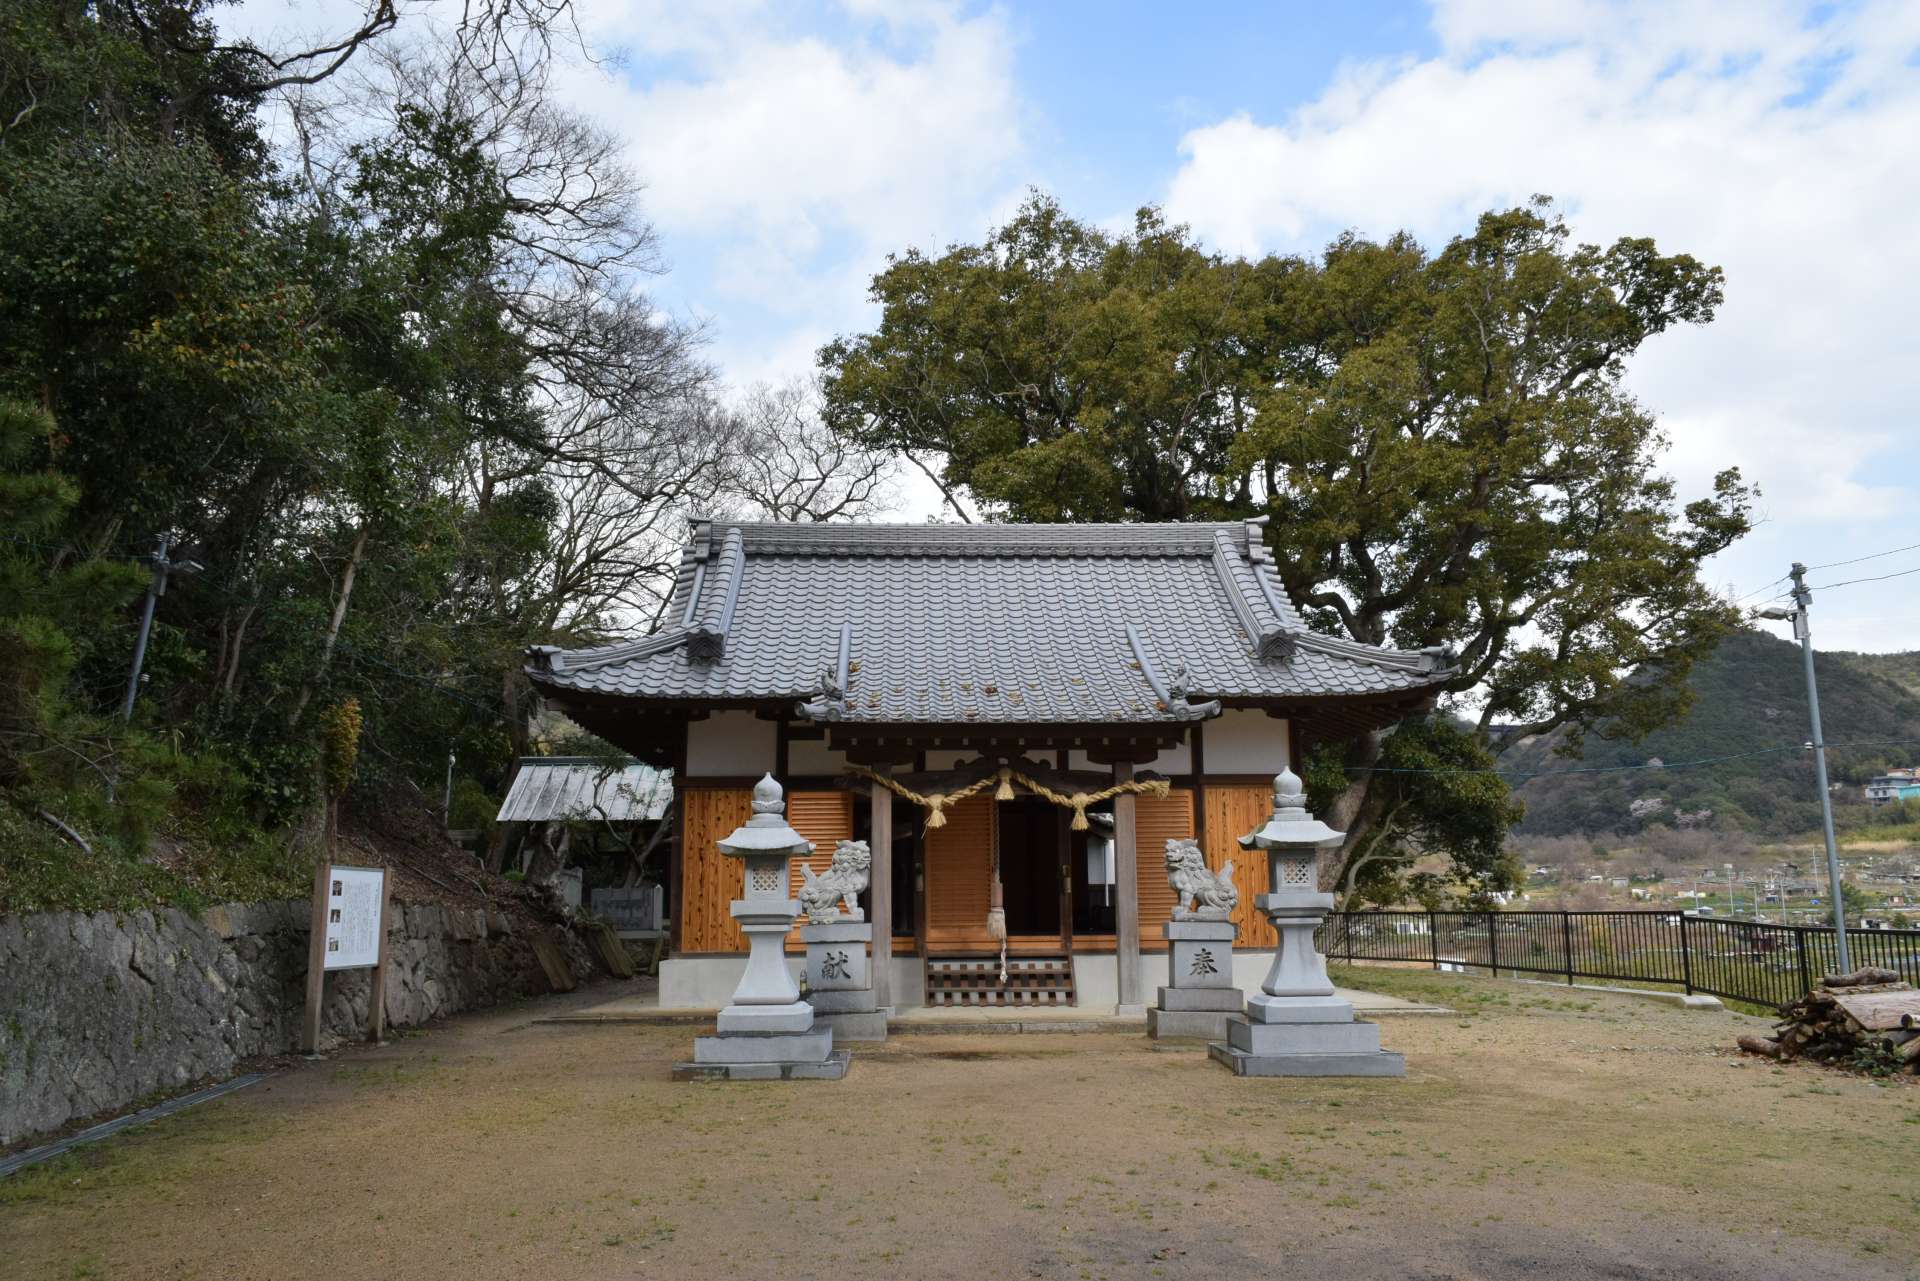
1443 440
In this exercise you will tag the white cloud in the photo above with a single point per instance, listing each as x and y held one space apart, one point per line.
1776 146
796 149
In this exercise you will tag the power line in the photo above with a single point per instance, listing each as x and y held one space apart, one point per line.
1857 559
1763 587
1877 578
1835 564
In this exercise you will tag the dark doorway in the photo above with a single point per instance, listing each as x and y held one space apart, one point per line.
1030 865
1093 875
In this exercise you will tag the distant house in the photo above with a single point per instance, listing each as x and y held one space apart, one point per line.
1894 785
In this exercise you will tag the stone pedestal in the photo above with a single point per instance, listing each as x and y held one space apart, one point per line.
1296 1026
767 1032
840 980
1200 994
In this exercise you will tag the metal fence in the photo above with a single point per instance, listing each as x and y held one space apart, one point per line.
1741 960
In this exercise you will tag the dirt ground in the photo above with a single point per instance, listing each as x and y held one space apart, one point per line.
1538 1130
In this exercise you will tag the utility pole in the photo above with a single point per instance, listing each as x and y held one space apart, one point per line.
155 590
1802 597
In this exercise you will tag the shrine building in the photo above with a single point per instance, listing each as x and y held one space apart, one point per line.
1020 713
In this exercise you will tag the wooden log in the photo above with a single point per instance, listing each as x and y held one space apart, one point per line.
1761 1045
1865 974
1880 1011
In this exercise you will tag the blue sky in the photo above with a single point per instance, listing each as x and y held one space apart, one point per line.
788 147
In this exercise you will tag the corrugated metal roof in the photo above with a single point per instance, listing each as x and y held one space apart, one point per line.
552 788
984 623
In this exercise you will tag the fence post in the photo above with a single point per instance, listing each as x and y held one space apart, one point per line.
1800 946
1566 942
1493 945
1686 957
1433 938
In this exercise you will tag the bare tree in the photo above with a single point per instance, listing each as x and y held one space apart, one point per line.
790 466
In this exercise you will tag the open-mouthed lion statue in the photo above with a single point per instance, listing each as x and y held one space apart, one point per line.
846 876
1193 883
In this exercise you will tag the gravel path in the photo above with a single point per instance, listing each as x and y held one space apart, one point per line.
1537 1130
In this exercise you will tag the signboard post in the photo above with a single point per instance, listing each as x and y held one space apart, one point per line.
349 933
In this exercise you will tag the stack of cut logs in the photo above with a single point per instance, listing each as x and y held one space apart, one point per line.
1851 1019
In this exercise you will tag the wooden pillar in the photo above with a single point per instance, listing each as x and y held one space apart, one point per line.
1126 887
880 894
316 962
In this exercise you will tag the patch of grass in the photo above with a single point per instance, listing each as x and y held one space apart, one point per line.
39 871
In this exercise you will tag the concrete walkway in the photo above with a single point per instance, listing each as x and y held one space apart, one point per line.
645 1008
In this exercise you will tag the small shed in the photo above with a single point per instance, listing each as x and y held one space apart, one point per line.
550 789
605 818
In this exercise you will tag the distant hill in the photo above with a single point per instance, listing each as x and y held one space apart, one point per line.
1750 695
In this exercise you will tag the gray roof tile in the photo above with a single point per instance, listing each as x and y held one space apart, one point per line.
982 623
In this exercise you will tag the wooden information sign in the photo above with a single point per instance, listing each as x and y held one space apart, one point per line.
349 933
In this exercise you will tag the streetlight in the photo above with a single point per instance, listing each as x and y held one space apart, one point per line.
1802 597
157 588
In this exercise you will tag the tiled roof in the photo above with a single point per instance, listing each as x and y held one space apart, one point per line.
953 624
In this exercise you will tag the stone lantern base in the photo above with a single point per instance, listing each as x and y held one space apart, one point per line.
1200 994
765 1043
1305 1036
840 980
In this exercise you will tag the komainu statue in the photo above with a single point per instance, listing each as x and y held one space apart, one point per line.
822 896
1193 883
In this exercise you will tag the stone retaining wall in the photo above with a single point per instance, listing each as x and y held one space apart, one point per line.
99 1010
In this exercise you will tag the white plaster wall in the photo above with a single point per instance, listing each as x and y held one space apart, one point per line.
1096 982
730 743
1245 741
813 756
1175 760
707 982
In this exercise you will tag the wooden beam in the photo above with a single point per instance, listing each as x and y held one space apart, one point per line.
1126 887
1198 764
880 894
677 855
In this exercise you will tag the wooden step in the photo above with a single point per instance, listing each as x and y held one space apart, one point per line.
975 980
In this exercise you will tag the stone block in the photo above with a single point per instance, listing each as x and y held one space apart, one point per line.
832 1068
1199 1025
1200 962
859 1002
1220 931
838 963
1262 1008
1379 1063
1213 1000
1267 1039
800 1047
762 1020
855 1025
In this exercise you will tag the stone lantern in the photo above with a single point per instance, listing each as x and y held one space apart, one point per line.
1296 1026
767 1031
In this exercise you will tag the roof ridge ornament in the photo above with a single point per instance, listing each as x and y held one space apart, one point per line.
1173 695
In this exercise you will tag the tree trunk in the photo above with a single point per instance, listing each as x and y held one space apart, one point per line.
1356 811
333 624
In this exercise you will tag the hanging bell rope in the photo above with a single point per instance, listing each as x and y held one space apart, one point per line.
997 912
